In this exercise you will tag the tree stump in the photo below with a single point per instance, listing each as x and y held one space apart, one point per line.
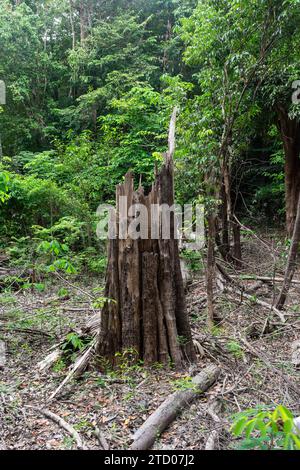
147 313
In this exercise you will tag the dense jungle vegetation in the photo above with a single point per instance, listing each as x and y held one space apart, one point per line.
90 87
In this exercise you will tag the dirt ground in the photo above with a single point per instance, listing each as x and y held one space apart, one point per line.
250 344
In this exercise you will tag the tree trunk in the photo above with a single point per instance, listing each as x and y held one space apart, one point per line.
72 24
291 263
147 313
83 18
210 270
290 134
237 250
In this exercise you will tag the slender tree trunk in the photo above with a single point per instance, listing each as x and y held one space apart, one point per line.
210 269
291 263
72 24
237 250
225 239
83 21
290 134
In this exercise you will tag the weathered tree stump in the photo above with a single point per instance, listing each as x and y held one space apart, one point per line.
148 313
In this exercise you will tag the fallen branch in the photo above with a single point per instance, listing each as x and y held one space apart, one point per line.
266 305
292 261
171 407
242 293
79 366
49 360
2 354
101 438
212 440
213 437
253 277
270 366
28 331
62 423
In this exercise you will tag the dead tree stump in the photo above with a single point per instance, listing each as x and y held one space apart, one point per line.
147 313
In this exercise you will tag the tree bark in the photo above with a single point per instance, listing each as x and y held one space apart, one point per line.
237 250
290 134
210 270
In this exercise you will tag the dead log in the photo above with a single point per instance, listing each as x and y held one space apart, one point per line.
171 407
148 315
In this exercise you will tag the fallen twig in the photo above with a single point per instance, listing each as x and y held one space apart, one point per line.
242 293
213 437
29 331
62 423
2 354
79 366
253 277
270 366
101 438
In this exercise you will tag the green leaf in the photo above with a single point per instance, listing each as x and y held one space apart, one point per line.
238 427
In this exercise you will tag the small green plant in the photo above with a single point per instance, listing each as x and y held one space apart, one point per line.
194 259
182 340
185 383
83 425
128 362
100 382
263 429
57 252
68 442
101 301
59 365
235 348
73 343
128 396
216 331
157 366
62 292
7 299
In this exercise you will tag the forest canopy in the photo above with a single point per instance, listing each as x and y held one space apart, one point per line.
91 85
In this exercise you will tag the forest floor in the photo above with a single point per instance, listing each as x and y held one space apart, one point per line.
118 402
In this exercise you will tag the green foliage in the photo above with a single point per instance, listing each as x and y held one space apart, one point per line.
194 259
59 365
4 180
235 348
185 383
72 343
90 89
101 301
266 430
128 361
63 292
